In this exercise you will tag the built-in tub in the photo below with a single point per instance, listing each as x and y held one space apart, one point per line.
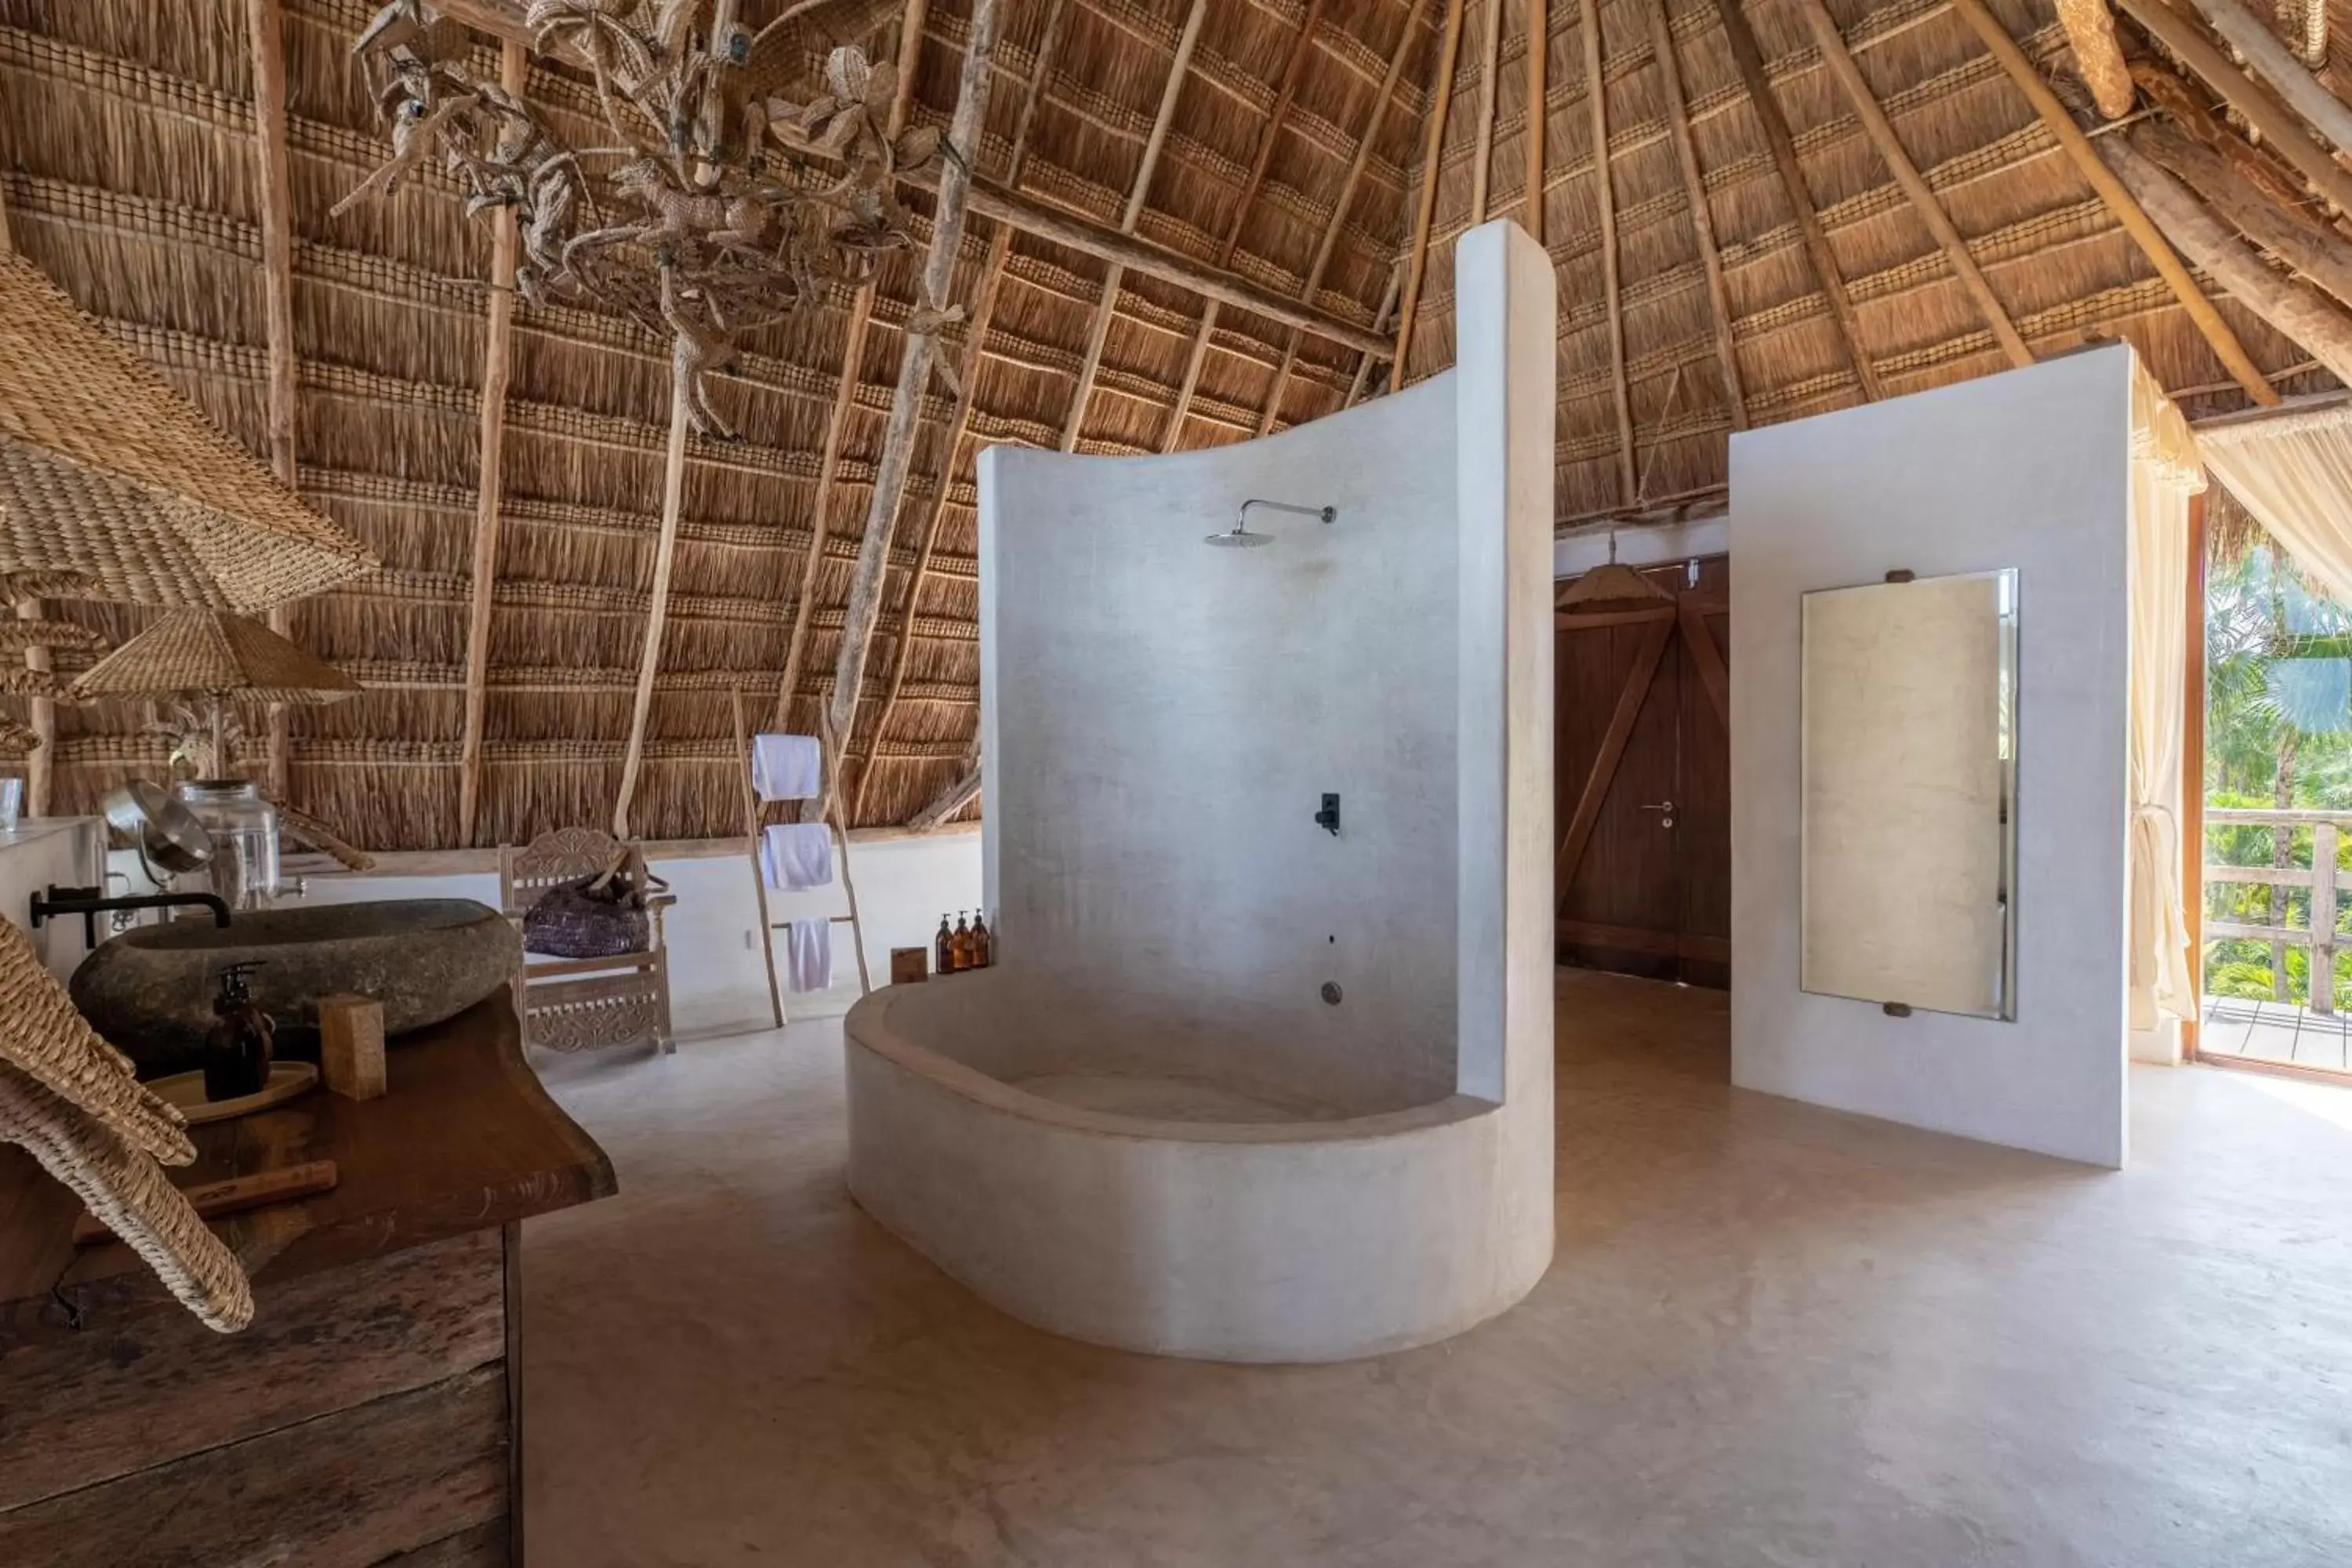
1240 1222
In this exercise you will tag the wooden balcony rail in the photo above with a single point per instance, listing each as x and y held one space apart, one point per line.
2320 936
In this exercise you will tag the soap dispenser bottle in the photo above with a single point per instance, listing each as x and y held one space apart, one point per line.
237 1047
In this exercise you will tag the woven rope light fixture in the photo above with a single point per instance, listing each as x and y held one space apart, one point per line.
69 1098
107 472
216 658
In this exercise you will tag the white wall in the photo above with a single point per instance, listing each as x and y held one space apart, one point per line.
1166 716
2029 469
717 985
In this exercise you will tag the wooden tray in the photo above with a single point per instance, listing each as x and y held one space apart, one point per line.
186 1091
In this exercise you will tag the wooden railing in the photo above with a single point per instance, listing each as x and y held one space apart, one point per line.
2320 936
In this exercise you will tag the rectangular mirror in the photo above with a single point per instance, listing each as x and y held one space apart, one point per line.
1909 760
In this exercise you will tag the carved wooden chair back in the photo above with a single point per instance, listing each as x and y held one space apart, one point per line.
572 1004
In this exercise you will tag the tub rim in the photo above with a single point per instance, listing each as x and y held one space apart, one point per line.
868 1027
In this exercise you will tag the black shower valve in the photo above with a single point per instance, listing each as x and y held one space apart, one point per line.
1327 819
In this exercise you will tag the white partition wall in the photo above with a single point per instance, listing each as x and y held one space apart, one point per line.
1240 1086
2028 469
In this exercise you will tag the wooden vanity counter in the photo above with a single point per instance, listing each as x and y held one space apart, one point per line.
372 1413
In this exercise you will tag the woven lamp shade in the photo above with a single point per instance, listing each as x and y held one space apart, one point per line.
211 653
107 472
17 740
1610 587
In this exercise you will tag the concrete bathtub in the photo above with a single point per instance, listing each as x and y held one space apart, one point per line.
1182 1217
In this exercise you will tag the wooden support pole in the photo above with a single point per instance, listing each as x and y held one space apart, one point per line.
1719 293
273 165
1329 246
41 713
1364 364
2117 200
1482 161
2098 57
845 391
752 837
1881 132
983 314
1604 197
657 611
2192 777
1433 148
2279 128
498 368
1749 59
1538 115
1098 332
1268 134
865 605
2296 310
960 792
2276 65
2311 247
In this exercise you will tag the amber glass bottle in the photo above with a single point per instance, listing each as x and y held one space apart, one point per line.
962 944
983 946
944 954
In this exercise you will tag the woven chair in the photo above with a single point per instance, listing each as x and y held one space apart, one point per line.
574 1003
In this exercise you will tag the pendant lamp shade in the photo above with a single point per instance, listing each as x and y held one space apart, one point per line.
1610 587
211 653
108 473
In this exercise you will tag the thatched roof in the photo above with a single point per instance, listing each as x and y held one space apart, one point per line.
128 174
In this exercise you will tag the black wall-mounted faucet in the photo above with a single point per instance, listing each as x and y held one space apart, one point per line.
1327 819
87 901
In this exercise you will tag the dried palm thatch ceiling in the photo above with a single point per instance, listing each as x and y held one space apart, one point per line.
1194 222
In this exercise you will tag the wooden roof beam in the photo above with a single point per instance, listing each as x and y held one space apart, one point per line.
1268 134
1329 246
2294 309
2276 65
983 314
273 165
865 605
1482 167
2279 128
1433 148
2117 200
1750 59
498 368
1538 116
1098 332
845 395
633 756
1719 293
1604 197
1881 132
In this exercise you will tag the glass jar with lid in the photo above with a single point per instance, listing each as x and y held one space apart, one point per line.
244 828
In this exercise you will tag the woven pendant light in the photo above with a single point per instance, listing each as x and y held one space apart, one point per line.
217 659
107 472
1609 588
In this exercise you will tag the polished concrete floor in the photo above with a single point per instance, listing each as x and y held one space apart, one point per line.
1773 1335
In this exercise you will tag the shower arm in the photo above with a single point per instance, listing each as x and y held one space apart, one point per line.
1323 513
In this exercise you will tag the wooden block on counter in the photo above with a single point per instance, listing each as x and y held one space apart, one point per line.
351 1045
910 965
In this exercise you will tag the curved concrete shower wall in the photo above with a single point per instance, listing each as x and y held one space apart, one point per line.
1149 1126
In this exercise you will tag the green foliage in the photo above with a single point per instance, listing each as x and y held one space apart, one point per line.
2277 729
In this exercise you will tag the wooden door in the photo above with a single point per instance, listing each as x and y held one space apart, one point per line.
1643 777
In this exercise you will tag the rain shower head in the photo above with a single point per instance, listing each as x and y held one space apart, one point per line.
1239 537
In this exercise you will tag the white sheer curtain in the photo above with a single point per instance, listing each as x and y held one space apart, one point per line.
2166 473
2294 473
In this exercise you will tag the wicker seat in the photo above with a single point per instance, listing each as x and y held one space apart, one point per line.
574 1003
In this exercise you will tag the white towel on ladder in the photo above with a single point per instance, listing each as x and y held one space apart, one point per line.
808 956
785 767
795 856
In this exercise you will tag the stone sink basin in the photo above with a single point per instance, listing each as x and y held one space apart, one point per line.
149 990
